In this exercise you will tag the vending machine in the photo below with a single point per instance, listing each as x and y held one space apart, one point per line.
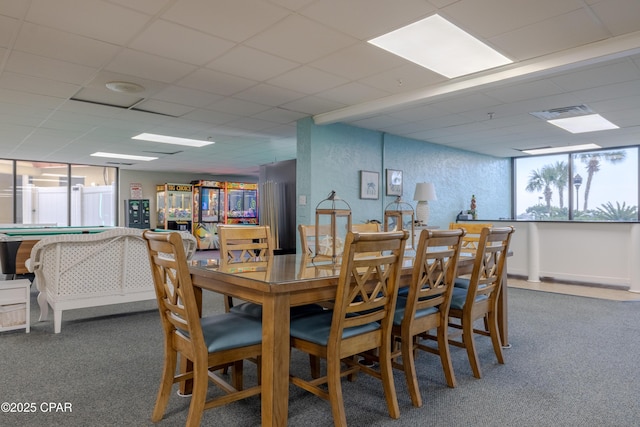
174 206
208 211
242 203
137 213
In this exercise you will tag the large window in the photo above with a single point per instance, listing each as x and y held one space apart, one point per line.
42 193
588 186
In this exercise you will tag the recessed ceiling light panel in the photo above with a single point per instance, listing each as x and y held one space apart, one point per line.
123 156
440 46
172 140
582 124
565 149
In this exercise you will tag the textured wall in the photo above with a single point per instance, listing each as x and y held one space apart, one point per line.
330 157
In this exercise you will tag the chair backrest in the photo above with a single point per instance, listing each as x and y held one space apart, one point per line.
308 237
245 243
369 227
434 272
367 287
489 264
470 241
174 291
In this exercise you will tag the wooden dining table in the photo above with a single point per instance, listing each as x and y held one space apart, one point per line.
289 280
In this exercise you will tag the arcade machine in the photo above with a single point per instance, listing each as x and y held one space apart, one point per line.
242 203
174 206
208 211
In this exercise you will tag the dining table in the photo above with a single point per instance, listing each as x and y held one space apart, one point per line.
286 281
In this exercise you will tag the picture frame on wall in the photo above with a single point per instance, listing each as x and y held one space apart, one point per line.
369 185
394 182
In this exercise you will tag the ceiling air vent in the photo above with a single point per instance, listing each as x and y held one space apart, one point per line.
563 112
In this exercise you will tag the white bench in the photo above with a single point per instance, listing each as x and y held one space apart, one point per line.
90 270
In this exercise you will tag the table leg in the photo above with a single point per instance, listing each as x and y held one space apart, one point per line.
275 360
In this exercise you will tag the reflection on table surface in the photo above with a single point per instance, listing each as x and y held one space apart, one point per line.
279 268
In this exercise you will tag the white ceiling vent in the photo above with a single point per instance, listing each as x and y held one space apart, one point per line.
563 112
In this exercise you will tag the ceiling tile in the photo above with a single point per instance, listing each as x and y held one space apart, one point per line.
168 40
90 18
251 64
148 66
311 42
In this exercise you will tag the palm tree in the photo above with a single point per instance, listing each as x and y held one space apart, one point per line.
592 161
542 180
618 213
561 180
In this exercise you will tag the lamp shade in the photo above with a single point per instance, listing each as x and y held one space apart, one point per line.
425 191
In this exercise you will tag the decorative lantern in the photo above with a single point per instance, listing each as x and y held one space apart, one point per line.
333 220
398 215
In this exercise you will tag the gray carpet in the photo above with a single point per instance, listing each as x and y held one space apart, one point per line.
574 362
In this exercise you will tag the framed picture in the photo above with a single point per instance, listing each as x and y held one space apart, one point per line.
394 182
369 185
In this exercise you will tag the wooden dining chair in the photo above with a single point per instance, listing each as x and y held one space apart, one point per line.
360 321
426 306
240 243
204 344
368 227
472 236
480 299
308 237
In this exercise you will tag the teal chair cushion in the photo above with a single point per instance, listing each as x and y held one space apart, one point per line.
316 328
461 282
403 291
460 295
255 310
226 331
401 304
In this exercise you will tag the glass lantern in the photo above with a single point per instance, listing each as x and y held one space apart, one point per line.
399 215
333 220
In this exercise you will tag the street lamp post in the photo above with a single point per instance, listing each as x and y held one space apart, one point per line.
577 181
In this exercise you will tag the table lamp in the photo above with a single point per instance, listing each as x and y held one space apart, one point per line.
425 191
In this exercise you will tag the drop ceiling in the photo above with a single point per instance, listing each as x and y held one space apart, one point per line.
242 72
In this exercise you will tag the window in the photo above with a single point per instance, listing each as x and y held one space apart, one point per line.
588 186
606 188
542 187
57 194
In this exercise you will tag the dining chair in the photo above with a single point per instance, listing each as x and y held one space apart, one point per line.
244 243
368 227
426 306
308 237
204 344
360 321
480 299
472 237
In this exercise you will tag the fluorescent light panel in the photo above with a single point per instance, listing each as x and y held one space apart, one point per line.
566 149
582 124
440 46
123 156
172 140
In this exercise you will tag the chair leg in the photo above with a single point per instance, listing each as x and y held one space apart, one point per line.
199 395
335 392
409 367
445 355
386 374
470 345
237 374
314 366
168 371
